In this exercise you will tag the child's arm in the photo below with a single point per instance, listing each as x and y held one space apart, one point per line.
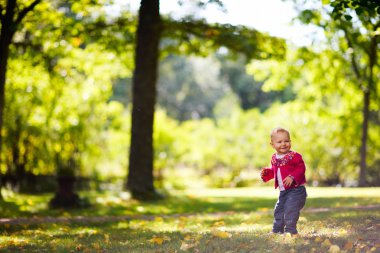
298 174
266 174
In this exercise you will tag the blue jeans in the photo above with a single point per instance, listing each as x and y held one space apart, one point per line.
287 210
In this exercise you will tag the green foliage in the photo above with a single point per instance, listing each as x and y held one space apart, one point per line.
66 111
354 41
67 56
361 7
189 36
326 108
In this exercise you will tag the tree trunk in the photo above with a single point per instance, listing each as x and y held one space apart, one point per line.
363 148
7 31
8 28
65 197
140 177
372 55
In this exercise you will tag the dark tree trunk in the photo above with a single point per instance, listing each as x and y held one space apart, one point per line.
7 26
65 196
9 23
140 176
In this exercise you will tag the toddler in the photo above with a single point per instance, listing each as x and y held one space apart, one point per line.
288 171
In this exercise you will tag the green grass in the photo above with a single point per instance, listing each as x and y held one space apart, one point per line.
207 220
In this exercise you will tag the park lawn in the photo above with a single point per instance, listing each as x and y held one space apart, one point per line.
206 220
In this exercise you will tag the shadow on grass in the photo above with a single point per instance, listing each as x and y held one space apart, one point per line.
12 209
109 205
245 233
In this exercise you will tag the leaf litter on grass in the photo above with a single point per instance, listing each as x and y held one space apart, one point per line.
329 230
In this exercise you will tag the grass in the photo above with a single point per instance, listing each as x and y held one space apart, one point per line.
207 220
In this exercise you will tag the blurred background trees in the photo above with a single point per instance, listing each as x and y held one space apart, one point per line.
220 90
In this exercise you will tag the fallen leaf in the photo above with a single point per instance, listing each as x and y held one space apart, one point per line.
186 246
188 238
157 240
318 239
107 238
326 242
79 247
348 246
218 223
334 249
221 234
181 225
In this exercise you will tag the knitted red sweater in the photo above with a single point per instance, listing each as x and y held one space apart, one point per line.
291 164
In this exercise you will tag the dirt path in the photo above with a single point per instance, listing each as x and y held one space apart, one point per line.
99 219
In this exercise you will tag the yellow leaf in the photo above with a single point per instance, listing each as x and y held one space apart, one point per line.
221 234
107 238
187 238
181 225
318 239
334 249
342 231
158 219
218 224
157 240
326 242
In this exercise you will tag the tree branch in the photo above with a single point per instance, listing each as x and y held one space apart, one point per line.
353 58
1 13
373 59
25 11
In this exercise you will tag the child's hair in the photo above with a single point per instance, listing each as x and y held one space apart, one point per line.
279 130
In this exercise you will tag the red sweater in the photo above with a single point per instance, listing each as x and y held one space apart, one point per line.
290 165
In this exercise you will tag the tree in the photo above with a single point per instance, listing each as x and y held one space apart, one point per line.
363 45
11 15
359 36
186 36
140 177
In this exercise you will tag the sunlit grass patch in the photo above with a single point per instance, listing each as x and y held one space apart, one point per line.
220 221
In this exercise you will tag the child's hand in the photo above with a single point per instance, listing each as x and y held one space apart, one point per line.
288 181
266 174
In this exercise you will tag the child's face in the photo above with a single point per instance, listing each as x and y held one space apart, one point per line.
281 143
